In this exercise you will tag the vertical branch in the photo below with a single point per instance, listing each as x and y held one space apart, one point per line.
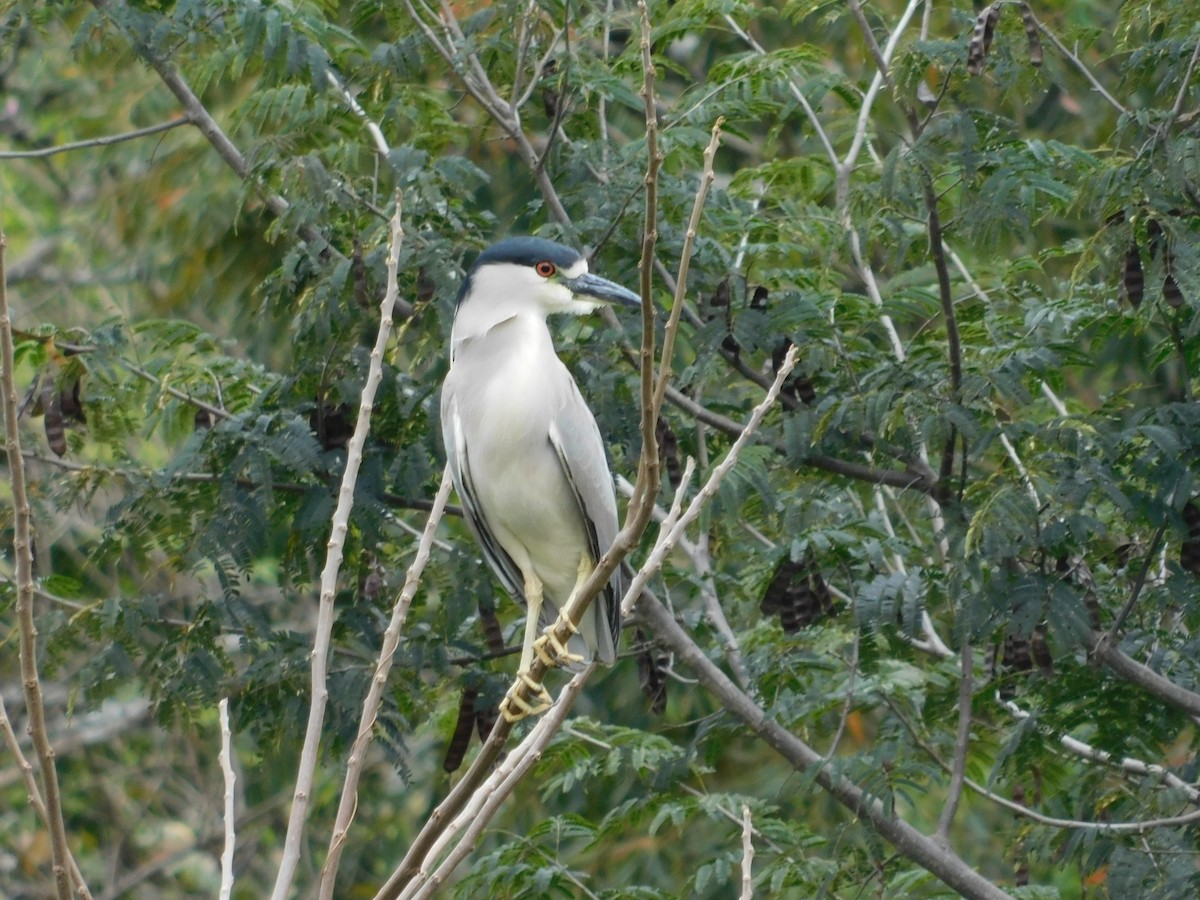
953 340
225 757
966 687
329 576
391 640
747 853
23 556
647 478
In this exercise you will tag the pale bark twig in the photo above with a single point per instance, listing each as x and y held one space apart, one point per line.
747 854
329 575
391 640
225 757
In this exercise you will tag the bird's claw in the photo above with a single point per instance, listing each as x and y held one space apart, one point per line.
514 707
552 651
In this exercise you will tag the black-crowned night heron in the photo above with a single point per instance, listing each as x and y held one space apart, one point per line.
525 452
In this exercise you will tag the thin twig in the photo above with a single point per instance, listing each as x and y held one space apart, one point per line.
329 575
366 723
23 570
34 793
646 485
1079 64
1043 819
685 258
103 141
747 854
1140 582
226 759
373 129
958 771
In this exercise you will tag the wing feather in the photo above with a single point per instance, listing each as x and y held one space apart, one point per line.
460 470
580 449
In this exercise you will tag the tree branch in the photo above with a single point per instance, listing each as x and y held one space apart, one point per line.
747 854
225 757
962 740
366 723
924 851
26 627
34 793
1078 63
103 141
329 575
1102 647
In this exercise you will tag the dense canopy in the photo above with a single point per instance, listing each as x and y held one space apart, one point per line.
926 631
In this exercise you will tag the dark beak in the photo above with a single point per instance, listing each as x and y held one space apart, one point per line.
602 289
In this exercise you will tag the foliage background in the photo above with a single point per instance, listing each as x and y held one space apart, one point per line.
203 347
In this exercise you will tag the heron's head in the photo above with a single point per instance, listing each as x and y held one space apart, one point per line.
534 275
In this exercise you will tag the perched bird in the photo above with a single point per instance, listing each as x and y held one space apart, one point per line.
525 453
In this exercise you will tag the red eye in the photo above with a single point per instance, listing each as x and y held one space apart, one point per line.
545 268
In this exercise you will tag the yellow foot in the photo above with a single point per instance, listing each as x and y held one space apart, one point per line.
554 652
515 707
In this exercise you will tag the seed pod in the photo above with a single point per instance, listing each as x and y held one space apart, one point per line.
653 662
460 740
55 428
981 40
798 594
668 452
1031 34
493 634
1133 281
1189 550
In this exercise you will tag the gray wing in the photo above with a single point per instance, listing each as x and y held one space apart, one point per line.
460 471
576 439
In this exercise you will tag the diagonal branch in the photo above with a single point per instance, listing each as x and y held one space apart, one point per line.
921 849
102 141
391 640
329 576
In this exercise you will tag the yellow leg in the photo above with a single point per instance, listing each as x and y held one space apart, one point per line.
548 647
514 706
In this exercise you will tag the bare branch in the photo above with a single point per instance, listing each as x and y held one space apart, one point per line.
35 794
27 628
103 141
1131 766
1079 64
1103 647
391 640
491 795
685 258
747 854
226 759
329 575
962 739
941 861
373 129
